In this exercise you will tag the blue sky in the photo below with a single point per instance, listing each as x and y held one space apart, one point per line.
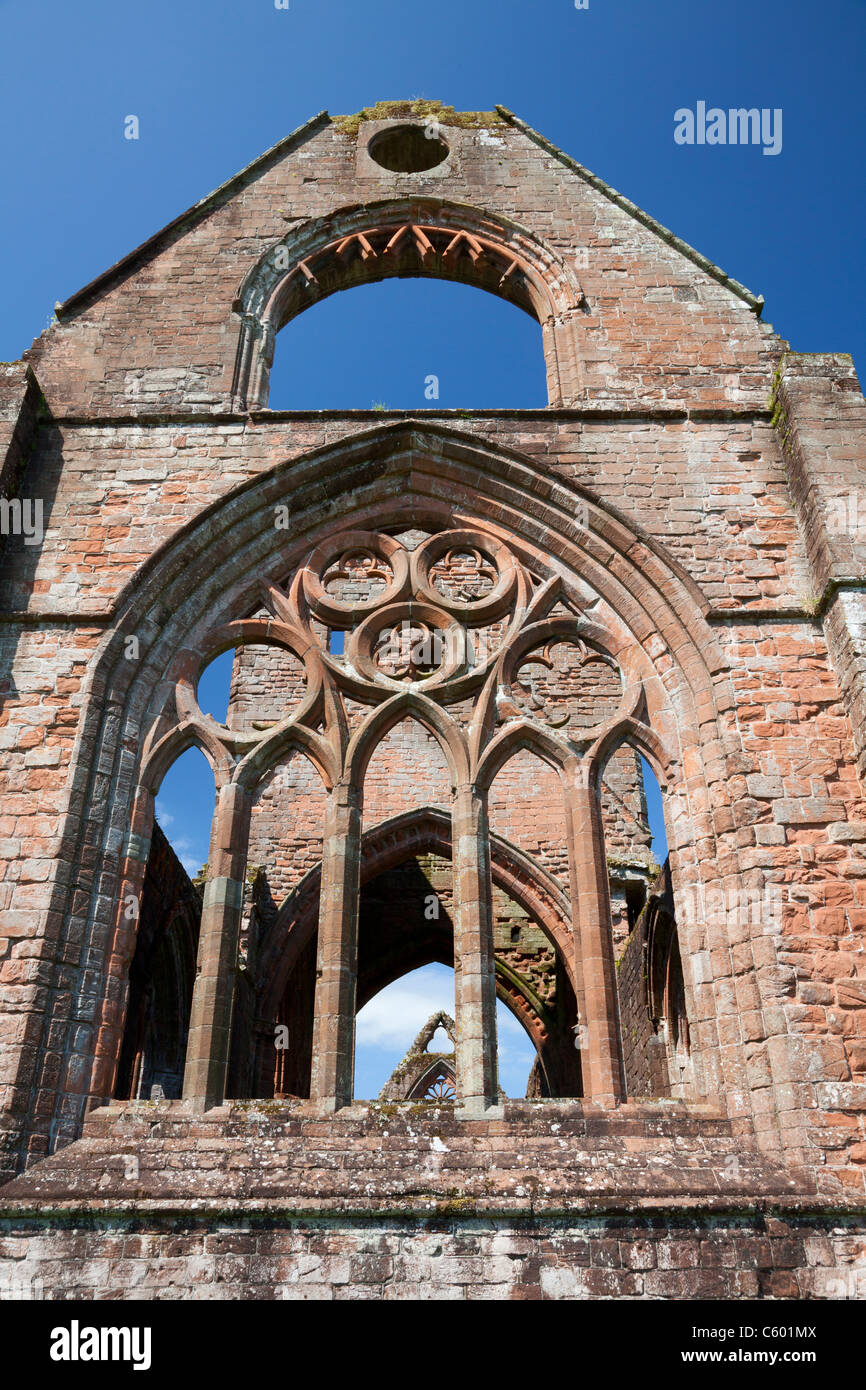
389 1024
215 83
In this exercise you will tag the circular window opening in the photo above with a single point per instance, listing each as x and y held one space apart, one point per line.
407 149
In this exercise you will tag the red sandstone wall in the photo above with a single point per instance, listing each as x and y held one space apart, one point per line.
656 328
449 1260
712 492
287 824
777 1001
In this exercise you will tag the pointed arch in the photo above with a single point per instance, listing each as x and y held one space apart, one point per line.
172 745
412 705
384 847
210 573
641 736
288 737
517 735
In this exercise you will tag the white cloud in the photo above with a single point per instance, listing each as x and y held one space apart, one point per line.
394 1018
189 849
389 1024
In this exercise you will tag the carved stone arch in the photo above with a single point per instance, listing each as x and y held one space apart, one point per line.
161 983
517 735
642 737
513 993
172 745
397 842
428 238
415 706
440 1070
292 739
389 844
531 508
209 573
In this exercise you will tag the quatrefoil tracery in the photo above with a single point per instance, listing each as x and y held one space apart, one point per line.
458 616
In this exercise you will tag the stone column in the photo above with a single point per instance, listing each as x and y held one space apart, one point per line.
337 962
207 1052
601 1056
109 1036
475 978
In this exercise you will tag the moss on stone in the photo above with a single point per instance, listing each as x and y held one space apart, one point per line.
417 109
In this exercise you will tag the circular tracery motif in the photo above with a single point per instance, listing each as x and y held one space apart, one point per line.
370 616
410 651
471 575
354 573
357 576
463 574
566 686
408 643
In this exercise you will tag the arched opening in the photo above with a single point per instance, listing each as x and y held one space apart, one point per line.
526 810
184 809
392 1025
272 1045
445 473
405 912
652 1000
383 740
404 239
409 344
628 839
163 967
407 771
655 812
525 807
400 1057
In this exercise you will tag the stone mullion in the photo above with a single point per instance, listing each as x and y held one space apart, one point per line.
337 961
569 366
601 1056
109 1036
207 1053
475 977
552 345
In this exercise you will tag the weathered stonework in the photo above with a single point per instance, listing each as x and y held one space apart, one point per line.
666 563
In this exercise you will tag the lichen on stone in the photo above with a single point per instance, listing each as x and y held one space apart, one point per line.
417 109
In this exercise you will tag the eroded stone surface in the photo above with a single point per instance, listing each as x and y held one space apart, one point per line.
696 489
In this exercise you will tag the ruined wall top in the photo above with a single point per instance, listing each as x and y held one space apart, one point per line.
187 321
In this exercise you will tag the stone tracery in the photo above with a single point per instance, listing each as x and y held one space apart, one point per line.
451 628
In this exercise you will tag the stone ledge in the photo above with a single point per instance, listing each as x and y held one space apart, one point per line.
258 1210
406 1158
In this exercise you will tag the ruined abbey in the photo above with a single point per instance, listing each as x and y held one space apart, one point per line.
462 641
